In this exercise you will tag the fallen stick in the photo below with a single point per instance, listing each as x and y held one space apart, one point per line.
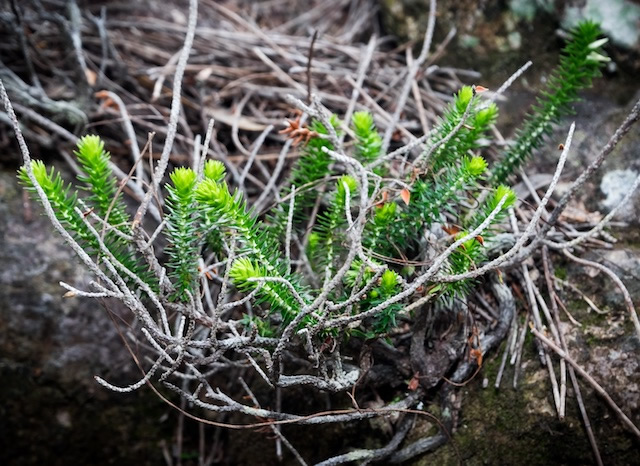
590 380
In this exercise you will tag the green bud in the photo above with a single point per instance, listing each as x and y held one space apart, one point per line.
244 269
91 148
214 170
502 191
314 240
388 281
386 213
475 165
184 180
486 116
462 98
214 194
348 181
362 122
39 171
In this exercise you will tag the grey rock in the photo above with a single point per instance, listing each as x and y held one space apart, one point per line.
615 185
619 19
52 410
52 332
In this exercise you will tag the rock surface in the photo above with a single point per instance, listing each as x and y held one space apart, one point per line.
619 19
52 410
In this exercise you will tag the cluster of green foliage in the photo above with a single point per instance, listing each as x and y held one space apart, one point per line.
432 205
581 61
104 199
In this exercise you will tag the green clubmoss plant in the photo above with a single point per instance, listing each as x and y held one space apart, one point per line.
581 62
362 250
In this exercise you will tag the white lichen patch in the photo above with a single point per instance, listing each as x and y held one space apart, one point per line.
615 185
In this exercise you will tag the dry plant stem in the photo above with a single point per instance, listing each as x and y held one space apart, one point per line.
424 158
74 26
481 313
582 295
375 106
585 417
418 447
623 129
25 93
620 132
105 224
309 62
363 65
237 113
514 342
277 418
379 454
263 199
173 116
400 151
555 332
513 333
566 311
131 135
279 409
195 154
20 28
231 257
415 90
548 274
112 263
274 428
73 292
354 298
104 41
251 27
252 156
544 356
287 241
205 149
46 122
487 307
411 74
507 308
517 356
284 77
590 380
513 78
601 224
288 332
625 293
180 429
440 49
355 235
507 311
144 247
162 75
